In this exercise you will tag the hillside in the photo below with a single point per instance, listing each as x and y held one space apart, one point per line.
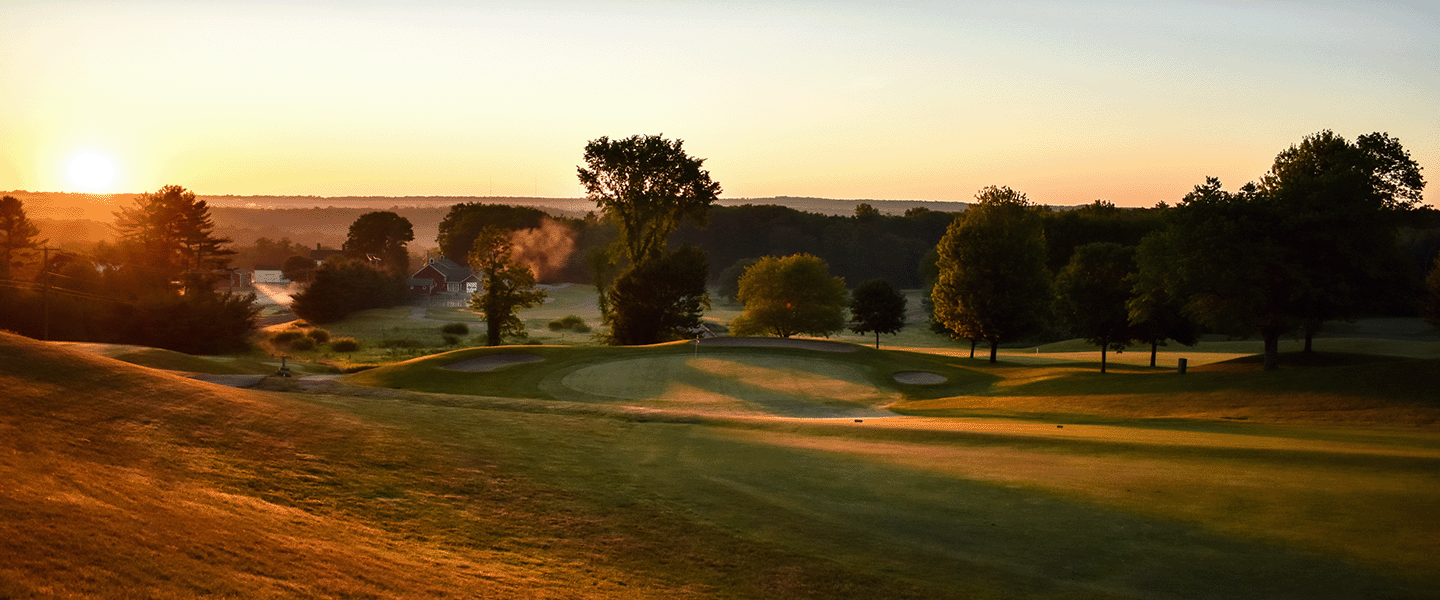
121 481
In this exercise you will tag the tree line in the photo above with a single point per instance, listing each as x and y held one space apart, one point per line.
1312 241
154 287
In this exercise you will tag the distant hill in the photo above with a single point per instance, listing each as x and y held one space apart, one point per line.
100 207
69 217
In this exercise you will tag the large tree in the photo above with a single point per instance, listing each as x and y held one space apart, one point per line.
1220 259
507 285
876 306
992 283
1091 296
464 222
794 295
170 235
381 234
661 299
17 235
1313 241
1338 205
647 185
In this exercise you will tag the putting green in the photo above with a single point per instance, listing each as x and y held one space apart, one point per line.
758 384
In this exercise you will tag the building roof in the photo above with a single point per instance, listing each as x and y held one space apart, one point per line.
449 269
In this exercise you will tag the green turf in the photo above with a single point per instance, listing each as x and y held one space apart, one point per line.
582 472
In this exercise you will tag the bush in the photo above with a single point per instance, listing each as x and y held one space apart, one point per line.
450 340
345 344
572 322
345 286
302 344
287 336
319 335
456 329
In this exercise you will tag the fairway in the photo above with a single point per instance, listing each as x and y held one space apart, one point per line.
741 471
755 384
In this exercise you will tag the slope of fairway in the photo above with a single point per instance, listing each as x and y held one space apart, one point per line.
121 481
528 481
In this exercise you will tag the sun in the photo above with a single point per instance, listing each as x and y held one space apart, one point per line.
91 172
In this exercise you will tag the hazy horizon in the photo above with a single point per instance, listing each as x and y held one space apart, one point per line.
1068 102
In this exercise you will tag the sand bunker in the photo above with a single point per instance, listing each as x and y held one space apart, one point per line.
492 362
919 377
820 345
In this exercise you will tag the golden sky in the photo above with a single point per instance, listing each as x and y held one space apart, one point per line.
1132 102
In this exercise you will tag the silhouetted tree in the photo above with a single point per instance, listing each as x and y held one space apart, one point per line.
728 285
1091 295
195 323
1155 314
661 299
1338 206
647 185
1220 257
788 296
298 268
382 234
464 222
17 235
865 212
993 284
1314 241
877 306
342 286
507 285
1099 221
170 235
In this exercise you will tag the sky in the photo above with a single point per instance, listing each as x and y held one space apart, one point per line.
1132 102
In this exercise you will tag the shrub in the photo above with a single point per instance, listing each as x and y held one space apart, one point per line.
456 329
345 344
319 335
572 322
450 340
302 344
287 336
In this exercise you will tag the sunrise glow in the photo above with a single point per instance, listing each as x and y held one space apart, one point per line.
91 172
920 100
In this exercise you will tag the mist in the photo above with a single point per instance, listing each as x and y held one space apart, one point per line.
545 249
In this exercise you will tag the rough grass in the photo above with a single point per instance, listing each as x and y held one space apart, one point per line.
169 360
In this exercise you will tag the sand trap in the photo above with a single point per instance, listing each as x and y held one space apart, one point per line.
492 362
820 345
920 377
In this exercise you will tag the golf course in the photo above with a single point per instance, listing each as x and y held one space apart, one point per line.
724 468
